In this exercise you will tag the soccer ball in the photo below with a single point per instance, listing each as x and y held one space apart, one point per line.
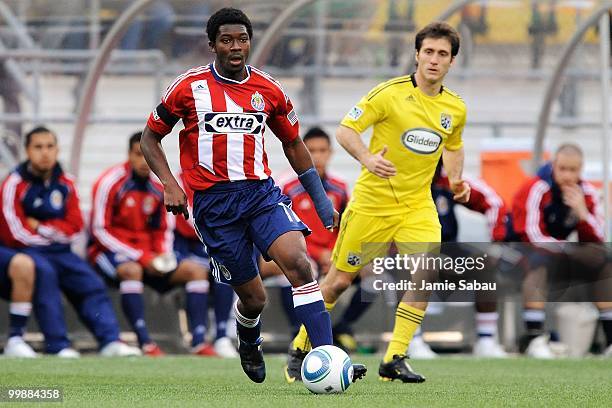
327 370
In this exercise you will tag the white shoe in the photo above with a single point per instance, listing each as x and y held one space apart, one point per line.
608 352
539 348
17 347
224 347
488 347
68 352
119 349
419 350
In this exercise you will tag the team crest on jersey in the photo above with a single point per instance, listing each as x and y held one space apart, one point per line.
257 101
56 199
353 259
148 205
446 121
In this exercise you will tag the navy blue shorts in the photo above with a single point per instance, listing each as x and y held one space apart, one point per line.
191 249
232 218
6 255
107 263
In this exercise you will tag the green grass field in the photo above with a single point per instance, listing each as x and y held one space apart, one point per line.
187 381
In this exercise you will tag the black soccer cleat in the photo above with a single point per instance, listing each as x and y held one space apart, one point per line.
359 371
252 361
399 369
293 369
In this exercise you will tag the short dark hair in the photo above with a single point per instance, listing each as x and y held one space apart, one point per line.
227 15
38 129
316 131
438 29
135 138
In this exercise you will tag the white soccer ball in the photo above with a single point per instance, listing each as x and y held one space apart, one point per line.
327 370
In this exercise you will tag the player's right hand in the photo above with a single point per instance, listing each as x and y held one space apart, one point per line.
378 165
175 200
336 221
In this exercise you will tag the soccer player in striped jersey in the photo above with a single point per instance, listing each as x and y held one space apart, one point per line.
132 244
40 216
226 107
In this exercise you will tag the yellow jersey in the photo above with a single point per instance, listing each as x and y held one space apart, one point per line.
415 127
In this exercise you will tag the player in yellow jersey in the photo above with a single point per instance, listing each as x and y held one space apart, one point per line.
416 120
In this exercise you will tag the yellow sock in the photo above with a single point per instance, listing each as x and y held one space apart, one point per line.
301 341
407 321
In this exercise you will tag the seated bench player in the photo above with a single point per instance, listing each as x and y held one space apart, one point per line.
41 217
132 243
17 273
550 206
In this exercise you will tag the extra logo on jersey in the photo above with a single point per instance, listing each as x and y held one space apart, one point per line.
257 101
421 140
446 121
227 122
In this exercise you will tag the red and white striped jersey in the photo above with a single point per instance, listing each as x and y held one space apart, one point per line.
128 216
540 215
225 122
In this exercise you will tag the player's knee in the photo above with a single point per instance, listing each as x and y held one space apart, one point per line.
301 269
22 269
129 271
193 271
340 283
254 303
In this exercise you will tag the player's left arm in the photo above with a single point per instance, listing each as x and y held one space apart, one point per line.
284 123
299 158
452 157
453 164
